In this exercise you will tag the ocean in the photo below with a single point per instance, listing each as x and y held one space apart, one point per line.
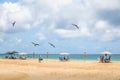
114 57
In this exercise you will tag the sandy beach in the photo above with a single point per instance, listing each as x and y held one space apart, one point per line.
57 70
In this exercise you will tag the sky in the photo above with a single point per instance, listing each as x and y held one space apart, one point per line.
43 21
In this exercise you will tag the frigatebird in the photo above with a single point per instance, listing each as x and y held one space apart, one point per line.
35 44
76 26
13 24
52 44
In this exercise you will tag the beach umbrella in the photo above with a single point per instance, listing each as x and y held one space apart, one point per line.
64 53
64 56
11 54
23 53
106 52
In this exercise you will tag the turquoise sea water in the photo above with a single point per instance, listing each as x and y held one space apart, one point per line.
115 57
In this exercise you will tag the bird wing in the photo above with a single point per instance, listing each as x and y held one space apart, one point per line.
35 44
13 23
75 25
52 44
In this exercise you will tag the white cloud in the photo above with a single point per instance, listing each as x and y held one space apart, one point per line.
84 15
1 40
18 41
57 15
73 33
111 35
107 4
67 33
105 31
101 25
10 12
41 36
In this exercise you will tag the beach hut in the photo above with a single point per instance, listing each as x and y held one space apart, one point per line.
22 55
64 56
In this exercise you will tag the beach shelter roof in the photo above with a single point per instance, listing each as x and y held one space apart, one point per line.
11 52
64 53
106 52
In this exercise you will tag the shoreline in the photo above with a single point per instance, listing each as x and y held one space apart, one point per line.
59 60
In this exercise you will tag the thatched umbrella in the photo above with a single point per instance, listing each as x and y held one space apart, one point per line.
11 53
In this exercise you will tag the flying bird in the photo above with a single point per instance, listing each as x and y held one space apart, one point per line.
35 44
76 26
13 24
52 44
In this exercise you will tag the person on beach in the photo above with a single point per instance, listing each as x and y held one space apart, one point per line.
33 55
40 58
101 59
47 55
84 56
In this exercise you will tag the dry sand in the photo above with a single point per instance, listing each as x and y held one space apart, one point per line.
57 70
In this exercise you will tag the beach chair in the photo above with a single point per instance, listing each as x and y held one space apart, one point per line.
11 57
6 57
64 58
108 59
22 58
67 58
101 59
40 59
60 58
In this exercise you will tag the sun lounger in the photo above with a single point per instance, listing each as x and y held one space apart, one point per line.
107 60
101 59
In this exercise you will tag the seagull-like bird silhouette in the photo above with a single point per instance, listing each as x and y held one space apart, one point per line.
35 44
52 45
76 26
13 24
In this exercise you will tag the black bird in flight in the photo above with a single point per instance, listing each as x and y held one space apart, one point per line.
51 44
13 24
35 44
75 26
